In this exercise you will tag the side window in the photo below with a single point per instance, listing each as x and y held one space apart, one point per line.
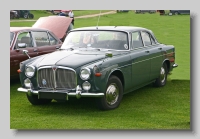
146 38
53 41
136 40
24 37
41 38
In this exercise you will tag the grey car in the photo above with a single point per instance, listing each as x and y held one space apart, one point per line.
145 11
178 12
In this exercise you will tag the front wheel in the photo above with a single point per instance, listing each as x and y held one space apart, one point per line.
162 79
113 94
33 99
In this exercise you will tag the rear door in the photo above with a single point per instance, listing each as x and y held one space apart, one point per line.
140 61
155 54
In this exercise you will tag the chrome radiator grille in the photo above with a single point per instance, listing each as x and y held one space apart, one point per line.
61 78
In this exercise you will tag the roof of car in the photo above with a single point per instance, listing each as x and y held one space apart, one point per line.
16 29
115 28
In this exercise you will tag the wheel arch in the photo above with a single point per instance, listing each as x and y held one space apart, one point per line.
118 73
167 62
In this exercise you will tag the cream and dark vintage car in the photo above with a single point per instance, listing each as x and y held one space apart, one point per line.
103 62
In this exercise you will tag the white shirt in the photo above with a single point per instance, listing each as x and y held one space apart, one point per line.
71 14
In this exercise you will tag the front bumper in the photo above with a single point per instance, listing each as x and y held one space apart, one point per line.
78 93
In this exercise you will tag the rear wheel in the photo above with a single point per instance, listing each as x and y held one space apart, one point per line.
113 94
162 79
33 99
176 13
31 16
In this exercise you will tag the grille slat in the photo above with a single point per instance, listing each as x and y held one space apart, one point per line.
63 79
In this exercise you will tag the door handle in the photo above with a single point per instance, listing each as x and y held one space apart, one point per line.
57 47
35 50
147 51
160 48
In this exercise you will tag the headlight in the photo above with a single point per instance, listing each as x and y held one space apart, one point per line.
86 85
27 83
29 72
85 73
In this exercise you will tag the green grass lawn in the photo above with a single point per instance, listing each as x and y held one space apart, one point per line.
147 108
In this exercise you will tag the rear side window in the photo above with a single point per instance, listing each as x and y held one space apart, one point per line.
41 38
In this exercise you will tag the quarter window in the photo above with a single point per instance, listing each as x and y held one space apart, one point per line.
53 41
146 39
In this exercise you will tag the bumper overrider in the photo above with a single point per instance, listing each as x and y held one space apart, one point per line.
175 65
60 94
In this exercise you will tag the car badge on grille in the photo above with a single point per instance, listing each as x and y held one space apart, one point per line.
54 68
44 82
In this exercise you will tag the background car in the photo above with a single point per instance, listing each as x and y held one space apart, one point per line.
145 11
118 11
24 14
56 12
43 37
177 12
13 14
105 62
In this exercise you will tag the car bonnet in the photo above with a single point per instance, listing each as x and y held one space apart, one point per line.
57 24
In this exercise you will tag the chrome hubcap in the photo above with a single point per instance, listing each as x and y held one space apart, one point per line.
112 94
162 75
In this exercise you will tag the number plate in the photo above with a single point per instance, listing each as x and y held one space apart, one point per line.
52 95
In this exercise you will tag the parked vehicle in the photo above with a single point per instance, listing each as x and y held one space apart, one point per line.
145 11
102 62
40 39
25 14
178 12
119 11
57 12
162 12
13 14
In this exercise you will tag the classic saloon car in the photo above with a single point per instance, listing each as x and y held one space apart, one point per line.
103 62
43 37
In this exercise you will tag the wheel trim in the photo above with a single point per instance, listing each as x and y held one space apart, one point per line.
112 94
162 75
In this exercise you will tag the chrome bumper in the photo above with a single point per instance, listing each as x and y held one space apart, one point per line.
78 94
175 65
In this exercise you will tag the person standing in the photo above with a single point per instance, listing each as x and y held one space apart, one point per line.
71 15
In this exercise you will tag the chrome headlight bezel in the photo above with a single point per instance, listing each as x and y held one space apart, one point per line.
30 71
85 73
